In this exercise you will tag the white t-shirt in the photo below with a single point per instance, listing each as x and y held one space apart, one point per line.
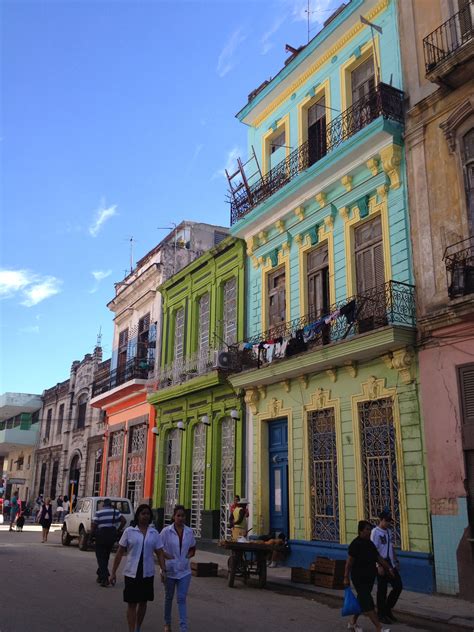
180 565
383 540
134 541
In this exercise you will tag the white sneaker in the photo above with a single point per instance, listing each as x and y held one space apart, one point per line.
385 629
354 627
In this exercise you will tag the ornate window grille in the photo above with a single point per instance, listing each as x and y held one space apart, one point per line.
198 476
323 475
230 312
227 474
136 463
114 469
172 472
379 462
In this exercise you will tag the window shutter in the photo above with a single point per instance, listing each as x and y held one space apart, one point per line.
203 341
466 376
179 334
276 298
369 255
379 272
230 311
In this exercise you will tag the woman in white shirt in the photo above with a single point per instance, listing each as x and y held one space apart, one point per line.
179 547
140 543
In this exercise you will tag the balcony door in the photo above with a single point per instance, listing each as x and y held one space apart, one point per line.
370 274
318 282
122 353
363 80
278 458
468 164
276 298
317 145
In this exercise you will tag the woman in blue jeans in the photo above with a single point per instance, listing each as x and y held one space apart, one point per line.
179 547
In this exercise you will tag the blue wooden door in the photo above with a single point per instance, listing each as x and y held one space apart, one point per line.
278 458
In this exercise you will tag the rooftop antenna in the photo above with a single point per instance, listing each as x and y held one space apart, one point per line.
99 337
309 17
132 241
379 30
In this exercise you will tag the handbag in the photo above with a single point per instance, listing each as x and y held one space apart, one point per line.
350 605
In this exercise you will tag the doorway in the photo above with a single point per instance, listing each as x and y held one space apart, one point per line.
278 460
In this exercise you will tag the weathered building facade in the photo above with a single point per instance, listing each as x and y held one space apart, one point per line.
333 422
122 394
69 451
199 417
19 428
437 40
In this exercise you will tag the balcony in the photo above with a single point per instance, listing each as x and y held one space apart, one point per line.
384 101
449 50
182 370
17 433
385 308
135 369
459 261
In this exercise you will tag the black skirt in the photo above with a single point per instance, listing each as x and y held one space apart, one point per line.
46 524
138 590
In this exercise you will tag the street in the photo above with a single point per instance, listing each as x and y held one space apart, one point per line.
49 587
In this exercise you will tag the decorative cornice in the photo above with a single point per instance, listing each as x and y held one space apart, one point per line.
391 160
262 391
351 368
251 399
382 191
251 245
346 182
328 56
403 361
262 237
332 374
373 166
321 199
299 212
344 213
280 226
454 120
304 381
286 384
328 223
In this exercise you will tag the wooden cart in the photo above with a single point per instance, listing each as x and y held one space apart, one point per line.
248 558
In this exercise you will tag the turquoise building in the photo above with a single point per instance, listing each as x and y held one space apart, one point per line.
329 368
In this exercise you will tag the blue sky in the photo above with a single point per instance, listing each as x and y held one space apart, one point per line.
117 118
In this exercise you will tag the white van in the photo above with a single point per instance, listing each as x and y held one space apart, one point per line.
78 523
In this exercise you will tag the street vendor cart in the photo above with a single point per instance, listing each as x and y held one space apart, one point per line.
249 558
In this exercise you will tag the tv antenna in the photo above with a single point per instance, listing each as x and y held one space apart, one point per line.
373 27
99 337
131 241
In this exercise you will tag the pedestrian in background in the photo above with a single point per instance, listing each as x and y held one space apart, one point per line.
382 537
46 518
361 567
6 509
239 520
14 507
179 545
105 526
140 542
60 509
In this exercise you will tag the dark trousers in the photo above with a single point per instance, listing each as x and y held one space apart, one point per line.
384 603
104 542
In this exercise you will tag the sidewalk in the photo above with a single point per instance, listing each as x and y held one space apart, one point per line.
446 613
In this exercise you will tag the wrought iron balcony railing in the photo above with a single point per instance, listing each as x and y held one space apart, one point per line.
136 369
183 369
449 37
459 261
392 303
384 101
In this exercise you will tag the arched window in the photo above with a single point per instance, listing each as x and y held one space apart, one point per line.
468 172
81 411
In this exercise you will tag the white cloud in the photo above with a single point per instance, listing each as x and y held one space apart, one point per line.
103 213
230 163
40 290
226 60
33 287
267 45
29 329
12 281
101 274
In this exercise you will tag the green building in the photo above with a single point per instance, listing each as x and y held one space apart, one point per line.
199 418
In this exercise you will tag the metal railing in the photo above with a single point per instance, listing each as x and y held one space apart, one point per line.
392 303
384 101
459 261
449 37
183 369
135 369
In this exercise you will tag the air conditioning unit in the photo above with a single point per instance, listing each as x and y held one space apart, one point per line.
226 360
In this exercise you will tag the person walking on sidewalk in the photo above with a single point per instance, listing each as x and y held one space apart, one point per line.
382 537
361 567
105 526
140 543
14 508
240 523
46 518
179 546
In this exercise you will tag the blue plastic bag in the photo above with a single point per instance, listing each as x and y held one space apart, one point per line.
350 605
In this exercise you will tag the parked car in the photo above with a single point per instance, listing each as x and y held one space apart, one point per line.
78 523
